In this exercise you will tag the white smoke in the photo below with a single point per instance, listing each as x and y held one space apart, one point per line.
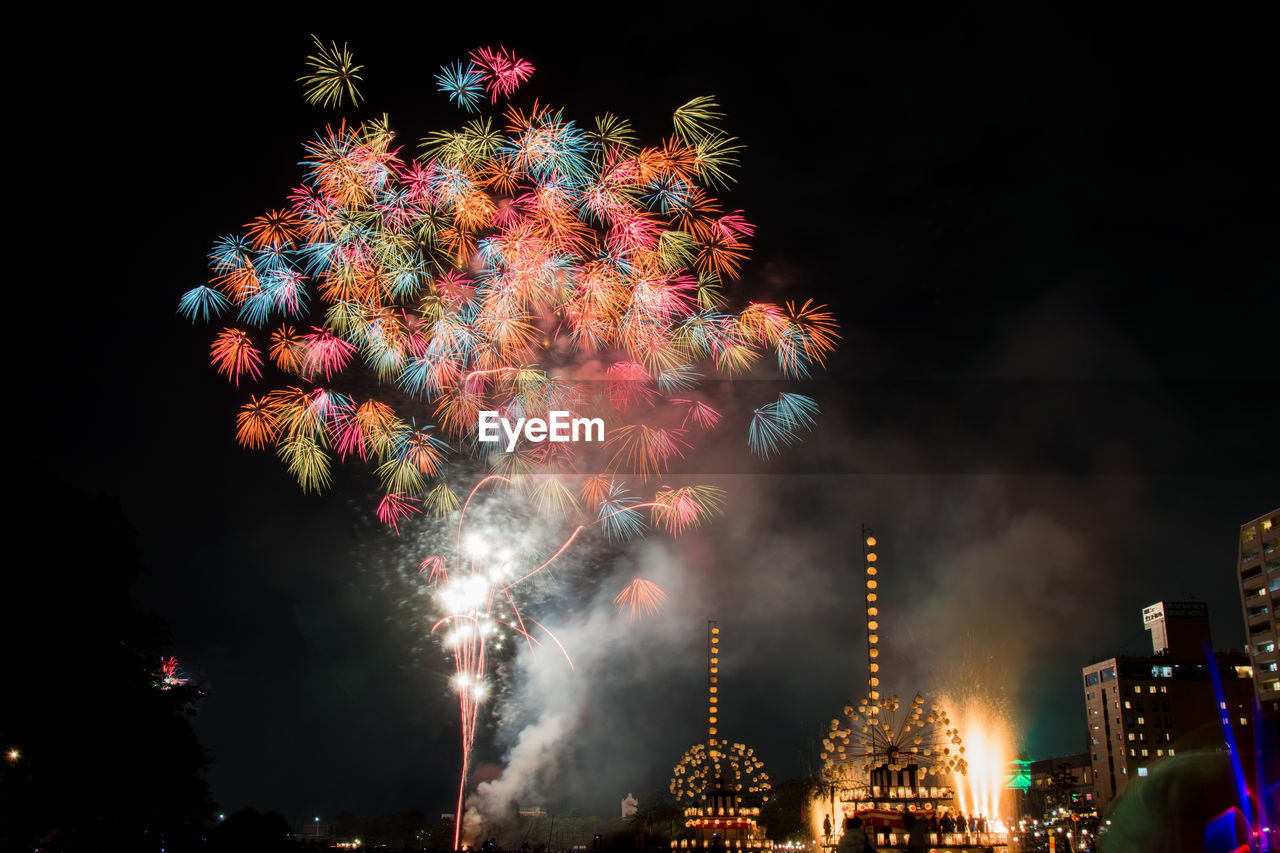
562 720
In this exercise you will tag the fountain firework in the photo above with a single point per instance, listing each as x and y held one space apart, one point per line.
983 790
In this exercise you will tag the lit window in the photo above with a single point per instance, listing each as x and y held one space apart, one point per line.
1164 689
1142 721
1137 688
1142 771
1145 753
1171 751
1244 721
1151 689
1127 704
1132 736
1159 752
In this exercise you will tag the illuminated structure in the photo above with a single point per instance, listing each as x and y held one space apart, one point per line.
719 774
878 761
1258 565
1141 709
1077 770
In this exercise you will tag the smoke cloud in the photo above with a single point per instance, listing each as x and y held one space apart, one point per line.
991 558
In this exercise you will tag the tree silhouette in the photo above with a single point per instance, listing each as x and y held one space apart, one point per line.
100 750
657 818
783 815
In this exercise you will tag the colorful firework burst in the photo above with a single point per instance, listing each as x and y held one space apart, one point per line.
396 296
332 75
171 674
642 597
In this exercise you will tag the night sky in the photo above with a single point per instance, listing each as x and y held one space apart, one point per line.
1050 243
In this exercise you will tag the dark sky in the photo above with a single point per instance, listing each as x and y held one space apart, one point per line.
1050 242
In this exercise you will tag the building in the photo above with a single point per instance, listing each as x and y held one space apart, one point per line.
1140 709
1045 792
1258 564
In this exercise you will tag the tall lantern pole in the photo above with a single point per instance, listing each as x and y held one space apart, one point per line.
713 699
869 559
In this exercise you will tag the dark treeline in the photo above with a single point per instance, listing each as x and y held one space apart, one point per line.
99 752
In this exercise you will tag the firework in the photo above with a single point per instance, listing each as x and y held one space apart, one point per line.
171 674
395 296
332 75
642 597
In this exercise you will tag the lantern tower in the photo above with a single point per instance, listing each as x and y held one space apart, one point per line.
727 781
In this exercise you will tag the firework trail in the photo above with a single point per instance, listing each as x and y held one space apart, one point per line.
522 264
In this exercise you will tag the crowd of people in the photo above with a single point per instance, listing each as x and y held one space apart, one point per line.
921 832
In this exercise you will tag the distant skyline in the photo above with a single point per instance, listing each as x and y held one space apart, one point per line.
1050 243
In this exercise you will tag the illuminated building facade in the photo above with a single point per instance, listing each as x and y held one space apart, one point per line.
1140 709
1258 573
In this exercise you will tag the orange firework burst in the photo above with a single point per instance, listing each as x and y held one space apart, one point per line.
642 596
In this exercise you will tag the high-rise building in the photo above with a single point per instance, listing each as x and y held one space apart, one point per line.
1141 709
1258 563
